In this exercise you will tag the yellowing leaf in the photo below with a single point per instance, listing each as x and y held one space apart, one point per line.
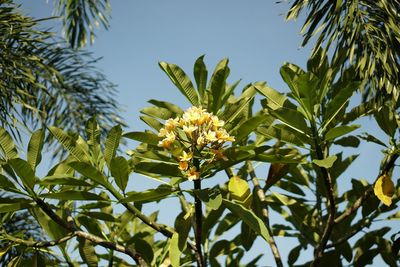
238 188
384 189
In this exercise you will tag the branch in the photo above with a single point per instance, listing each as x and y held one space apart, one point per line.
70 226
163 229
265 214
319 250
41 244
367 193
198 231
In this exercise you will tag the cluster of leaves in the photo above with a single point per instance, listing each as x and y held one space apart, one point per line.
363 34
85 198
81 17
45 82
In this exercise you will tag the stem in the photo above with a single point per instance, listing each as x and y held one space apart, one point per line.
41 244
198 231
319 250
265 214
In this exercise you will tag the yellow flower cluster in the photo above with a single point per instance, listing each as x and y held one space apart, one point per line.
200 134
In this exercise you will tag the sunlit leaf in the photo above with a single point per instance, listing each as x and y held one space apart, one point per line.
326 162
35 148
7 145
112 143
340 131
181 81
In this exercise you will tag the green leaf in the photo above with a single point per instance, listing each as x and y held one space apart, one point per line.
340 131
292 118
152 122
24 171
248 217
275 100
60 179
89 171
120 171
11 207
181 81
75 146
157 112
149 195
285 134
218 84
6 184
200 75
386 120
251 124
174 250
73 195
294 255
35 147
174 109
93 136
348 141
87 252
370 138
325 163
211 197
156 169
247 236
112 143
338 102
148 138
100 216
7 145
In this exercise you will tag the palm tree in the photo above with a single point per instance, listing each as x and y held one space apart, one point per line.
44 81
362 33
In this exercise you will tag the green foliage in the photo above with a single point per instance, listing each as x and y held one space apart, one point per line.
45 82
358 33
88 198
80 18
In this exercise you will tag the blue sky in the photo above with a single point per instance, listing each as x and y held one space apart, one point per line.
252 34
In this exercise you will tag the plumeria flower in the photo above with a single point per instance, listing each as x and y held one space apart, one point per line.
193 174
205 137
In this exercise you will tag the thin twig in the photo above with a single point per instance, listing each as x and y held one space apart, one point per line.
70 226
163 229
367 193
41 244
265 214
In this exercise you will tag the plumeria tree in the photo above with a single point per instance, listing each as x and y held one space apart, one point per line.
84 202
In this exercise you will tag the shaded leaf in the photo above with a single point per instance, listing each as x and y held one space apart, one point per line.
248 217
24 171
120 171
73 195
89 171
